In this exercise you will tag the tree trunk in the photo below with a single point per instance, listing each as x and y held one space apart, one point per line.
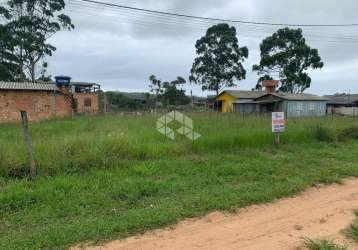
33 75
21 65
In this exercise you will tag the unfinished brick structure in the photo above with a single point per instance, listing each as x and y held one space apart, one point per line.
86 97
42 101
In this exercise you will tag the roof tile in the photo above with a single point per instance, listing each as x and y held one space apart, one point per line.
27 86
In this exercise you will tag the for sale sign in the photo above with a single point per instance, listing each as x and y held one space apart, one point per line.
278 122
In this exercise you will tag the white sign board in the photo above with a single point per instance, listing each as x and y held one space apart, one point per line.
278 122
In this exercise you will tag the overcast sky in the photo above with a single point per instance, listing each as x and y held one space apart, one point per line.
121 49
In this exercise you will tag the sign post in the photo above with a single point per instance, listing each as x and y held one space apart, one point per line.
278 125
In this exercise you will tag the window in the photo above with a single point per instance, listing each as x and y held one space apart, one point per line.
312 106
300 106
88 102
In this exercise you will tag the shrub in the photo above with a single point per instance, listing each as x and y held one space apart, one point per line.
348 133
324 134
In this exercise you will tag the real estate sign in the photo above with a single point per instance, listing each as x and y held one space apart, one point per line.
278 122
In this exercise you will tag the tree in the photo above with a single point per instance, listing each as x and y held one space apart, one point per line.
155 85
8 62
286 53
259 82
174 96
219 59
167 92
31 23
156 88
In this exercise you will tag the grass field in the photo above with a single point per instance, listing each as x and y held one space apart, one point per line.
106 177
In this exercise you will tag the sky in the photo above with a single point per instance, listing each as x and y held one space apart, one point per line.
120 49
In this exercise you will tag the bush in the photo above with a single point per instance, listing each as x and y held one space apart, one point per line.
324 134
348 133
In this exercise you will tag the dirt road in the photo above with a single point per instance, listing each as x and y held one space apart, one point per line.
317 213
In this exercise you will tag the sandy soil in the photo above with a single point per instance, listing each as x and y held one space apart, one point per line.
317 213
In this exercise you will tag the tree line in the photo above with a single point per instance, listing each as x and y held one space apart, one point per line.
27 25
285 56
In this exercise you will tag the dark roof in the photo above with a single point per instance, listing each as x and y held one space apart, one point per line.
28 86
342 98
87 84
244 94
297 97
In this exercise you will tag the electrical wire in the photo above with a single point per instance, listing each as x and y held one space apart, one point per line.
215 19
150 19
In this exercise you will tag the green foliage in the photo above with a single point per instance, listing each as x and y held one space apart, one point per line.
324 134
168 92
174 96
81 144
128 101
9 65
352 231
349 133
322 245
286 53
219 59
30 24
114 176
155 85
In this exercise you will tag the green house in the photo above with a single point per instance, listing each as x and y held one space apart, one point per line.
294 105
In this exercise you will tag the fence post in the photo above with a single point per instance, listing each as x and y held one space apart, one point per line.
105 103
25 126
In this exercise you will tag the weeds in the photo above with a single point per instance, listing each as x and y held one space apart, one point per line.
352 231
322 245
109 177
323 134
81 144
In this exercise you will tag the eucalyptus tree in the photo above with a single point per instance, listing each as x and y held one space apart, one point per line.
219 59
286 54
31 23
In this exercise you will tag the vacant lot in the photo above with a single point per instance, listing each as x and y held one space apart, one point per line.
107 177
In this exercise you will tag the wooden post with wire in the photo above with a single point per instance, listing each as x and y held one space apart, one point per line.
27 138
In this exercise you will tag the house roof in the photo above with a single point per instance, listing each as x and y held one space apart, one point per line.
27 86
84 84
244 94
296 97
342 98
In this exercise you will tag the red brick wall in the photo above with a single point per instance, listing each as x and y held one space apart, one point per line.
39 105
82 108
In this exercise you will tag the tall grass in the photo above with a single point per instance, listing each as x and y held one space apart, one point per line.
80 144
114 176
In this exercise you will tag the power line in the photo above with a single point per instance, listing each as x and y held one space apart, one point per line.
215 19
165 22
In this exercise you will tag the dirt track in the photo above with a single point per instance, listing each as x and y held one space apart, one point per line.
317 213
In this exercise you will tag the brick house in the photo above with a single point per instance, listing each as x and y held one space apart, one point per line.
44 101
86 97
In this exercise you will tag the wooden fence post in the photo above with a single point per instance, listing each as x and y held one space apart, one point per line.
25 126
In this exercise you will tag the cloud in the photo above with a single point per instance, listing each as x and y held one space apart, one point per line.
120 49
